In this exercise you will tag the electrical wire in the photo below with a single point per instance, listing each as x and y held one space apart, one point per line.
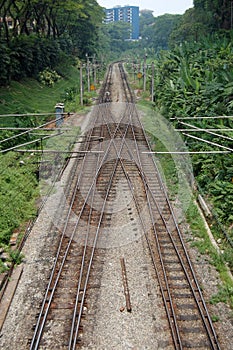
195 118
208 132
209 142
32 129
29 143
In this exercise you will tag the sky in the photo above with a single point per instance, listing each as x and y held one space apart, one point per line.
160 7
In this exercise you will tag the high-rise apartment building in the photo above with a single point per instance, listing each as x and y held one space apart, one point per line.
128 14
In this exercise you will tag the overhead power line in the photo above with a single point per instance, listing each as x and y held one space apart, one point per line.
187 152
29 130
208 132
195 118
201 129
28 143
30 114
209 142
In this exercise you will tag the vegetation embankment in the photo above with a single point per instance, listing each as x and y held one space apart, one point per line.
195 80
193 57
42 44
19 172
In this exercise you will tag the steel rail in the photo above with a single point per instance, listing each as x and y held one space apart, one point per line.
206 315
126 86
152 255
187 276
36 338
39 328
193 292
172 319
92 255
97 233
106 85
149 192
166 281
81 274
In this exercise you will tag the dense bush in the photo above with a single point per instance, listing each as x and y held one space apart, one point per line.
196 80
26 56
18 186
48 77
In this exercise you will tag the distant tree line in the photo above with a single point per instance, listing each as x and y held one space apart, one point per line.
205 18
164 32
35 34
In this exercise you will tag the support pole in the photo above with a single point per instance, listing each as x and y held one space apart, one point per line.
88 74
144 72
152 81
81 84
94 66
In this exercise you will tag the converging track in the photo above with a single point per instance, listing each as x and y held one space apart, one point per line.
115 162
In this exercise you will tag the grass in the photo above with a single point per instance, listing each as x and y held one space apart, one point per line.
18 175
18 193
30 96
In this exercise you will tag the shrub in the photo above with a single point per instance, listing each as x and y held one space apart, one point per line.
48 77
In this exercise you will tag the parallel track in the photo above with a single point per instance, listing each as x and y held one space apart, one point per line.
119 156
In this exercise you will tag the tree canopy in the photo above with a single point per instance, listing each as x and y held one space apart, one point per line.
35 34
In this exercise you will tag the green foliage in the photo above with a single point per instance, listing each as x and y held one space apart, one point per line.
218 10
224 295
196 79
215 318
117 34
48 77
222 198
5 63
43 31
202 242
18 185
157 34
16 257
30 96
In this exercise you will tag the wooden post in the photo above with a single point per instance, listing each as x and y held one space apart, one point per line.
81 84
144 73
94 66
152 80
88 74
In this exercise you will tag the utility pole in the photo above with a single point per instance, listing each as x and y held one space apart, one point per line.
81 84
152 80
88 73
144 73
94 65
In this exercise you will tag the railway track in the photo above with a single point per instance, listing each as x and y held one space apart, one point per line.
114 159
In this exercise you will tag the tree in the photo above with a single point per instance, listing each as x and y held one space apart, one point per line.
42 30
219 10
118 33
157 34
146 19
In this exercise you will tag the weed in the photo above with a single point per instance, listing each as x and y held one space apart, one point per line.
224 295
215 318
